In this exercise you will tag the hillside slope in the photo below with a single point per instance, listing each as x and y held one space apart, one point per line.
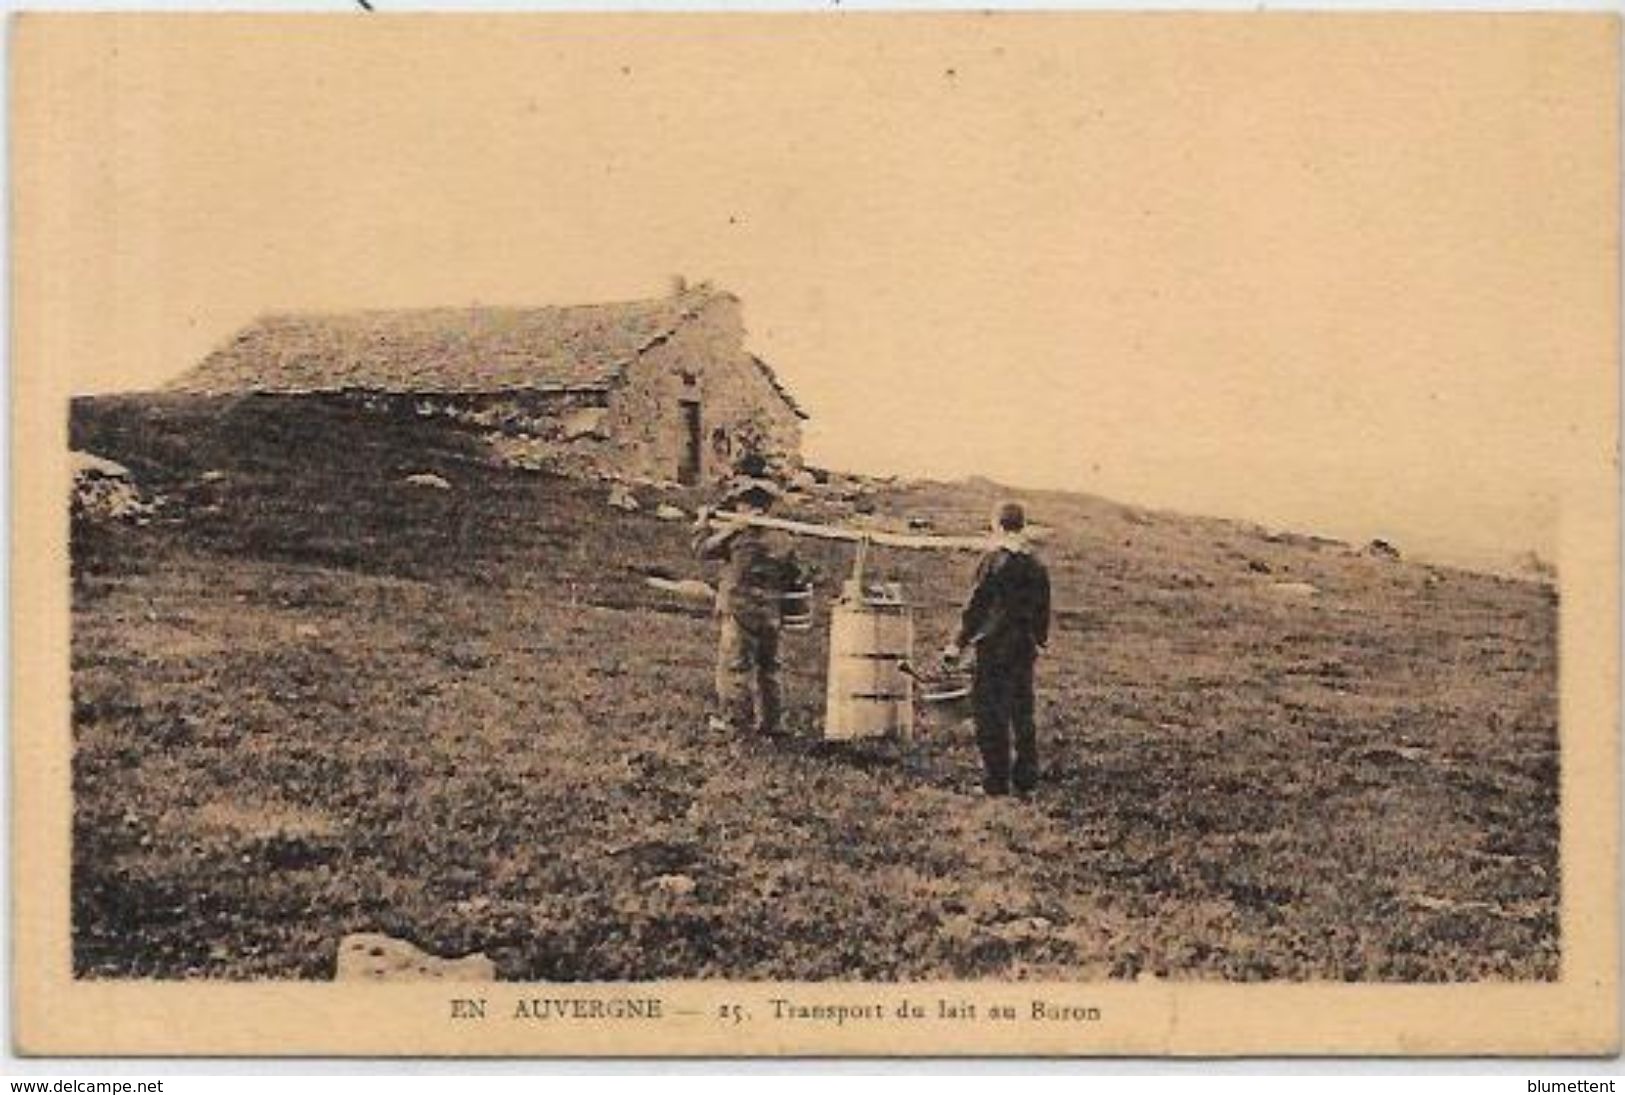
312 698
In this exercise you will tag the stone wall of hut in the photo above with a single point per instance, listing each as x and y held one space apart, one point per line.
703 362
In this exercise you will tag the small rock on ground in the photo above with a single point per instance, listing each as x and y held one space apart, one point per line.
88 463
373 956
1293 589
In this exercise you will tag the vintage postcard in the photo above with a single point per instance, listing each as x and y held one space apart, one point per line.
820 534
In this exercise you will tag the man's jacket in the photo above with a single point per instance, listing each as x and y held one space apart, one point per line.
758 566
1008 613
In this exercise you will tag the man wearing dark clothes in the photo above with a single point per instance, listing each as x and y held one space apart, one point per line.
1007 622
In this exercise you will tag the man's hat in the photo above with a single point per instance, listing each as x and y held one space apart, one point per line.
748 486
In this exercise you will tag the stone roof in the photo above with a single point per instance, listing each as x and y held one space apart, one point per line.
447 350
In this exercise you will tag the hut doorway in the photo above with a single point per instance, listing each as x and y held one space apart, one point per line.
688 466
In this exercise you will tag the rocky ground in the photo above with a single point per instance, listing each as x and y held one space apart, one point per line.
315 696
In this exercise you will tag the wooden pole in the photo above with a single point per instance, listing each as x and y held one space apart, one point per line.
859 535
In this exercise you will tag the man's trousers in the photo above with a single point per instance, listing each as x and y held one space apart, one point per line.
748 675
1002 695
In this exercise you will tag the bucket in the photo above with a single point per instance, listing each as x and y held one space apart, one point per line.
943 692
795 609
871 635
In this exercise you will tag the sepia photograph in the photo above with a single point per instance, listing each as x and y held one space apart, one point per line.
817 533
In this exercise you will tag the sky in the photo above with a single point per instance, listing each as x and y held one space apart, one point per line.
1351 275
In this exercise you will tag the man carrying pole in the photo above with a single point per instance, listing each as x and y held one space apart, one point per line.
758 566
1007 622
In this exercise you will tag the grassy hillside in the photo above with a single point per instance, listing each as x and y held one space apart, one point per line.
310 698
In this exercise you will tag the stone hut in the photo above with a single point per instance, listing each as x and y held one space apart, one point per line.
659 389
